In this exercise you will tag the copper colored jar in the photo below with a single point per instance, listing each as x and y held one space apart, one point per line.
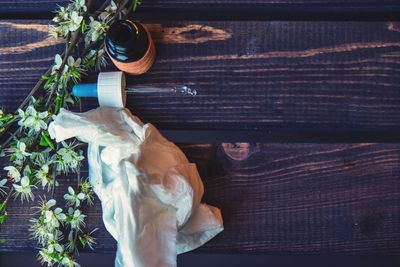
130 47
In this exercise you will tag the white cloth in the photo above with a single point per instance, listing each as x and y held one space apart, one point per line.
150 193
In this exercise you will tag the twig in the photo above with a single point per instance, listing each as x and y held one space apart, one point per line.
8 196
18 131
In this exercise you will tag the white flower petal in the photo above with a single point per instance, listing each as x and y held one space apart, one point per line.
42 125
43 115
57 210
58 247
29 122
51 202
58 60
21 113
70 61
71 190
21 146
62 217
25 181
45 168
3 182
17 187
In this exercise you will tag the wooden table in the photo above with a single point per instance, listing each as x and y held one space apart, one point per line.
295 128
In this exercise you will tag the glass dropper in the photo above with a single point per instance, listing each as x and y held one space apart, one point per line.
111 89
181 89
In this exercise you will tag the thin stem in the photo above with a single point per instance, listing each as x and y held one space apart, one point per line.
71 44
40 82
8 196
74 41
76 231
54 175
12 136
120 8
102 7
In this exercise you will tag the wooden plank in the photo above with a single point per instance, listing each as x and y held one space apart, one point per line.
314 76
279 198
210 259
290 6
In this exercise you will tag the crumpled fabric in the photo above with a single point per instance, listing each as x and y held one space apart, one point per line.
150 193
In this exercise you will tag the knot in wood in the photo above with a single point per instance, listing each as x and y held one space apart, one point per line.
237 151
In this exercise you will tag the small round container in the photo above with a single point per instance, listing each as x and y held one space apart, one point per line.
130 47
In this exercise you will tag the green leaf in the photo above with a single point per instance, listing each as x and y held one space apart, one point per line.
49 81
58 104
43 142
27 171
135 4
84 26
3 218
6 117
90 63
46 141
2 206
2 241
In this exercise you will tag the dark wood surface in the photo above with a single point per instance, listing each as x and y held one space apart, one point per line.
168 10
256 76
248 75
50 5
302 199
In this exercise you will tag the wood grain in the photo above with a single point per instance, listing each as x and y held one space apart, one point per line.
47 6
293 199
248 75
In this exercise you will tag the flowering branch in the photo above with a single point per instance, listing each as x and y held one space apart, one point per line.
35 161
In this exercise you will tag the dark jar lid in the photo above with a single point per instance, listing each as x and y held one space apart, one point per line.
126 41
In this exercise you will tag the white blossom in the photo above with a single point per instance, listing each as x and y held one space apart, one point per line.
13 173
44 162
76 218
97 56
73 63
68 19
110 9
54 218
73 198
18 152
57 63
38 230
32 119
62 14
88 239
68 158
53 242
21 151
97 30
69 262
24 189
74 22
86 188
43 177
46 257
80 5
46 205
